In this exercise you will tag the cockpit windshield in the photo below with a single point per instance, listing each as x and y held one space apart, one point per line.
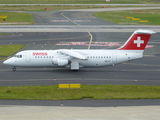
18 56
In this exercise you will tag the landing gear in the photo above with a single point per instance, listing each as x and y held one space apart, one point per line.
74 65
14 69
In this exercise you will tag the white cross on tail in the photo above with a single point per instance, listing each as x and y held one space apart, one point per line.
139 41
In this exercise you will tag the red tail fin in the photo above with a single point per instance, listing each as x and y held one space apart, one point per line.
138 40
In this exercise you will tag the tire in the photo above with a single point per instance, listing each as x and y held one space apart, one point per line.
14 69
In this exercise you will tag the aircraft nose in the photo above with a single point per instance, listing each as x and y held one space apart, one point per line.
6 62
9 62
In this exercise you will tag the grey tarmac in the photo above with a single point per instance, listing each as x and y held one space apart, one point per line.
79 113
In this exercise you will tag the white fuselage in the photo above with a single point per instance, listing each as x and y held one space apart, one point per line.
93 58
77 58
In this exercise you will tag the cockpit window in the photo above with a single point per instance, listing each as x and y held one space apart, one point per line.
18 56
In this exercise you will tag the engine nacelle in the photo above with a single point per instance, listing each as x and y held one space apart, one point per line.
60 62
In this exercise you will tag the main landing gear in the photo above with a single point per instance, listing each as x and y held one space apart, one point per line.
14 68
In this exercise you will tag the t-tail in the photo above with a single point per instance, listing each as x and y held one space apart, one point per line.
138 40
134 46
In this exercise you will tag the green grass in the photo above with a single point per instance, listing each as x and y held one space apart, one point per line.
53 7
119 17
78 2
8 50
4 33
17 18
56 7
2 58
87 91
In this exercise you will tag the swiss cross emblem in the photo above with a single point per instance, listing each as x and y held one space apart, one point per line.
139 41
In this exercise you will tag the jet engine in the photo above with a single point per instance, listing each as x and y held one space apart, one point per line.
60 62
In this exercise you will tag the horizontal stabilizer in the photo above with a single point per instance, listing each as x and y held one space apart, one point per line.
144 32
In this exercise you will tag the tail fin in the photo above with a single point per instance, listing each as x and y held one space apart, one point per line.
138 40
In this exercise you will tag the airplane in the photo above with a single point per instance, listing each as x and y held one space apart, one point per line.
78 58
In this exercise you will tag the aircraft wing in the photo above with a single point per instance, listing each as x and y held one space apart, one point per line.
73 54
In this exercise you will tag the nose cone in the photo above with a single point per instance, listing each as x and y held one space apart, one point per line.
5 62
9 62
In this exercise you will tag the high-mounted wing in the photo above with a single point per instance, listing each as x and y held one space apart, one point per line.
73 54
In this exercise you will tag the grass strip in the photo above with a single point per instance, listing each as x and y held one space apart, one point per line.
8 50
3 58
17 18
87 91
79 2
119 17
46 8
4 33
58 7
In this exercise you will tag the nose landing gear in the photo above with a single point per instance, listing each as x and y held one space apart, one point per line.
14 68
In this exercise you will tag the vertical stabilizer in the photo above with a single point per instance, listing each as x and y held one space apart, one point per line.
138 40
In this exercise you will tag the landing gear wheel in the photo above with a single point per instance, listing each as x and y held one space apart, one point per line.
14 69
